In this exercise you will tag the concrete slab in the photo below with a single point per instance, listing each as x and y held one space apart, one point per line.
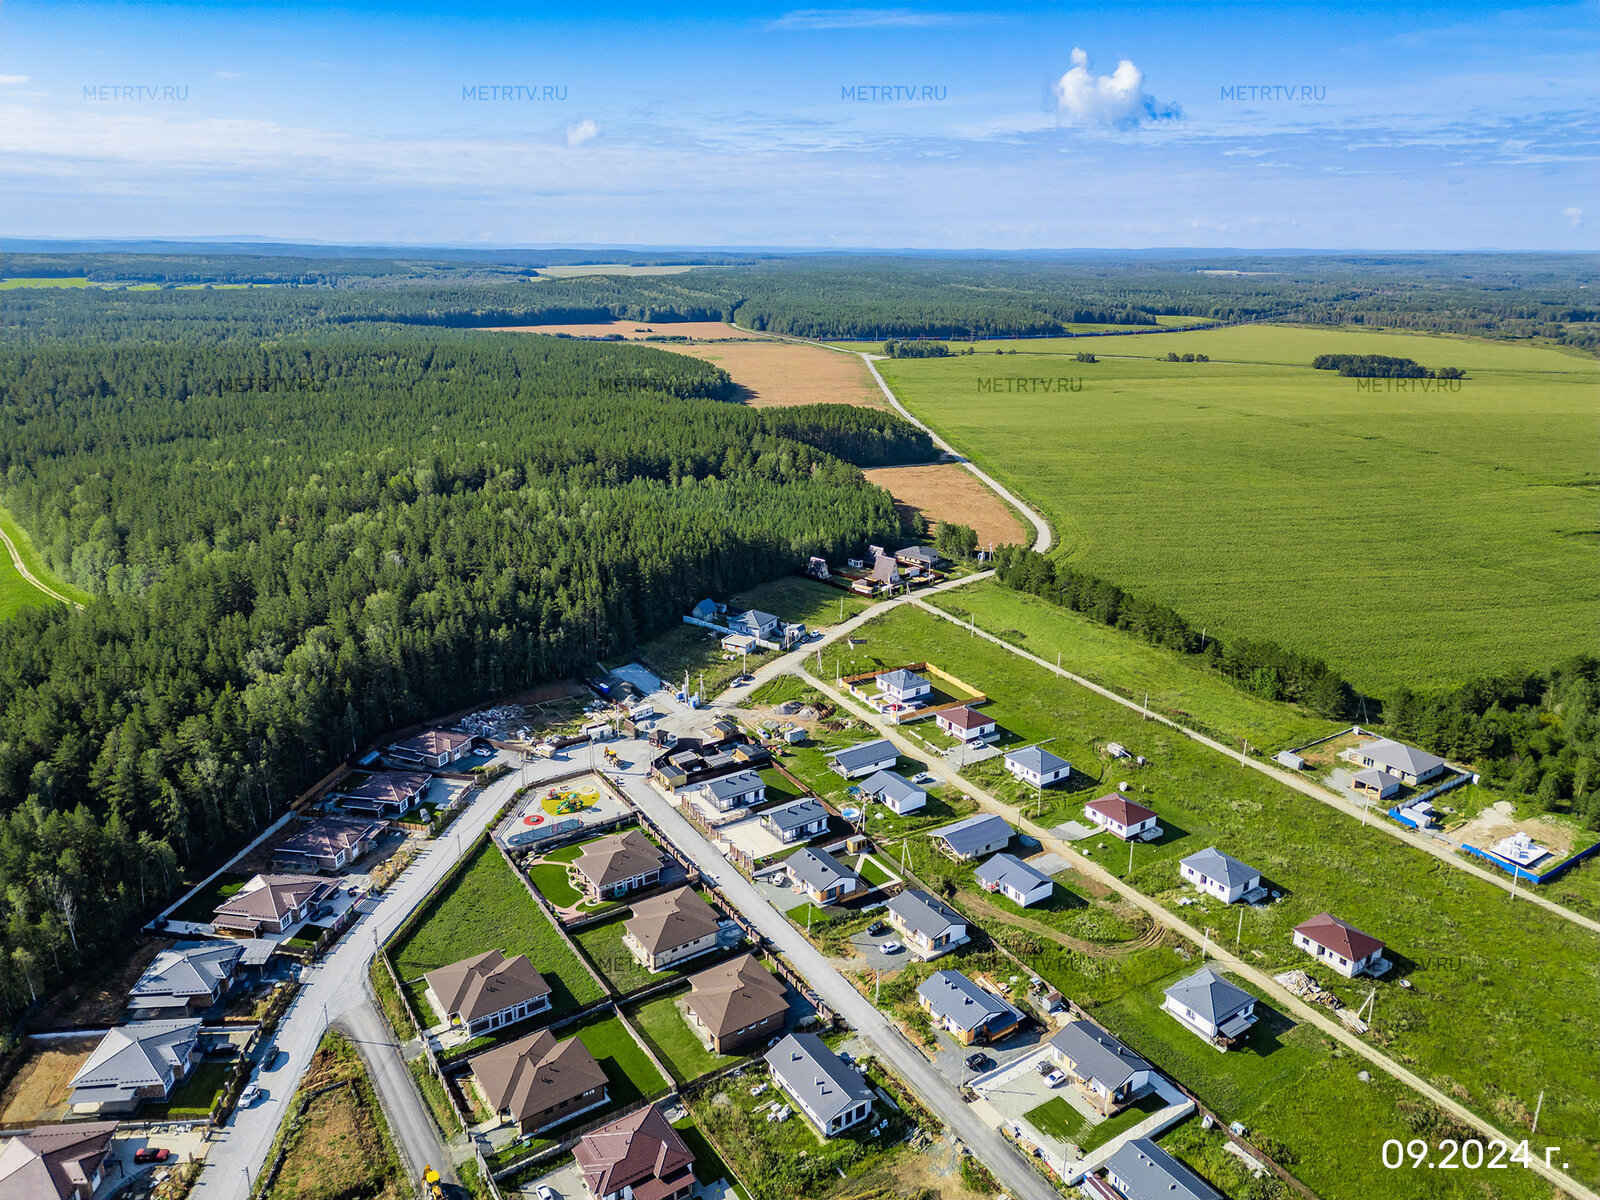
1050 863
1074 831
565 1183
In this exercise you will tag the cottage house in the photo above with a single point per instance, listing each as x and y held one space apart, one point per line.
894 791
832 1096
487 992
671 928
973 837
1015 880
1109 1073
967 1012
1123 818
929 925
1209 1006
1341 946
736 1003
1220 875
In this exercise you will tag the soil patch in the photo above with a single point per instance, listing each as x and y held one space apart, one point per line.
949 492
782 374
37 1093
1500 821
639 331
101 1001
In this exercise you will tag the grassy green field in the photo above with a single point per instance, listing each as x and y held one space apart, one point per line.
1500 1006
192 1099
1059 1119
1414 538
16 592
662 1025
65 281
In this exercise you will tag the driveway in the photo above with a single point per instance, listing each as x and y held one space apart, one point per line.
951 1057
869 947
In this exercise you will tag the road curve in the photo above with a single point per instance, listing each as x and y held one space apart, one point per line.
22 569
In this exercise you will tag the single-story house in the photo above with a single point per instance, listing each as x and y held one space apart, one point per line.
636 1157
135 1063
737 1002
864 758
966 1011
1406 763
929 925
183 980
903 686
918 558
328 844
1341 946
1122 817
894 791
706 610
487 992
1107 1071
616 865
726 792
1036 765
434 748
1015 880
833 1096
740 643
754 623
385 793
966 723
1142 1170
271 904
1375 784
1208 1005
822 877
1220 875
536 1082
973 837
670 928
55 1162
797 821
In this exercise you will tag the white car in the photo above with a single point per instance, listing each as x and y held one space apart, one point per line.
891 947
250 1095
544 1193
1055 1079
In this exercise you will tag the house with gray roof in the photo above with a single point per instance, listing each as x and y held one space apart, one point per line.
1142 1170
797 821
1212 1008
1220 875
894 791
1036 765
135 1063
865 758
1406 763
966 1011
973 837
1109 1073
903 686
738 790
184 980
1015 880
833 1096
929 925
753 623
822 877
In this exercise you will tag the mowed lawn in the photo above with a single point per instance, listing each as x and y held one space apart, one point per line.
1501 1006
486 907
661 1023
1409 538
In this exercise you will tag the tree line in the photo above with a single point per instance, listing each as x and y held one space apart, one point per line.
1382 366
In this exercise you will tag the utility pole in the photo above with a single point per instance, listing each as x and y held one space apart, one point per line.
1536 1109
1129 875
1239 933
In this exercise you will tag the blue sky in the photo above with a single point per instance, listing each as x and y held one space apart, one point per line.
1379 125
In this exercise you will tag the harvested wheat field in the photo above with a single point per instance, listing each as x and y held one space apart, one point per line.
638 331
38 1092
949 492
782 374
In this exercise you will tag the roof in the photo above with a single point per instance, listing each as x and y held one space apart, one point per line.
902 679
186 969
795 814
389 787
136 1056
973 834
1036 759
433 741
1373 777
725 787
1224 868
925 914
1210 995
639 1147
1098 1055
1123 812
921 554
891 784
1150 1172
269 897
736 993
485 984
817 869
955 998
814 1074
1327 930
536 1072
884 569
1401 756
755 618
53 1160
1007 870
329 836
670 920
864 753
965 717
620 856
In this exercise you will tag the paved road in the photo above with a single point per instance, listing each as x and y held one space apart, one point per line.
22 569
409 1119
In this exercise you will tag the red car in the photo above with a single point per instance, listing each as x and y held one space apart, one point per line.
151 1154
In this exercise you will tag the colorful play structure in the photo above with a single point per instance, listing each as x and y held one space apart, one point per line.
559 801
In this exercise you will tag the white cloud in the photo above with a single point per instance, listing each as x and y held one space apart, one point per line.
582 132
13 79
1114 101
229 75
1574 215
866 18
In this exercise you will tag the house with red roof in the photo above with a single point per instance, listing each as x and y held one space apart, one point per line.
1340 946
1123 817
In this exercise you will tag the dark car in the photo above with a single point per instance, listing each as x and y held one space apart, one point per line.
151 1154
979 1062
876 928
1044 1066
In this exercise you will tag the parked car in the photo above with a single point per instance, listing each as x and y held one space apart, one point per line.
979 1062
250 1095
1055 1079
151 1154
876 928
1044 1066
544 1193
891 947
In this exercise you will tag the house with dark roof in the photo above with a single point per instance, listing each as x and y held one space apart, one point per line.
671 928
967 1012
384 793
973 837
269 904
1106 1071
1212 1008
183 980
1123 818
1220 875
1142 1170
735 1003
727 792
636 1157
487 992
537 1082
55 1162
966 723
917 558
1036 765
797 821
754 623
433 748
1406 763
822 877
1374 784
1340 946
929 925
903 686
1015 880
833 1096
865 758
613 866
328 844
706 610
894 791
135 1063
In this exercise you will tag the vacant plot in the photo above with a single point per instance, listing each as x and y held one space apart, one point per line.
797 599
37 1092
637 331
781 374
1408 537
341 1148
202 906
662 1024
950 492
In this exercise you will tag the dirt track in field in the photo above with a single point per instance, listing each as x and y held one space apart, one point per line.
949 492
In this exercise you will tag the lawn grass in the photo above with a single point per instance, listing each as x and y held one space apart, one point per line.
708 1164
1408 538
1473 1023
1058 1119
486 907
661 1024
551 880
630 1074
202 906
342 1146
871 871
781 690
794 599
779 788
15 591
192 1099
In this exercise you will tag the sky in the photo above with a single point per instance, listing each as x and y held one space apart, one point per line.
1258 125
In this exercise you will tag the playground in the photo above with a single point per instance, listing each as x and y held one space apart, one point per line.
560 809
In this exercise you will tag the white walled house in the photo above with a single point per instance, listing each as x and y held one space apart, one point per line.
832 1095
1340 946
1015 880
895 792
1220 875
966 723
1210 1007
1123 818
1036 765
903 686
739 790
864 758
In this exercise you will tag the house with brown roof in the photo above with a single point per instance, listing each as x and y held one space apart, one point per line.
487 992
384 793
536 1082
671 928
329 844
735 1003
636 1157
271 904
614 866
1124 818
55 1161
1340 946
433 748
966 723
